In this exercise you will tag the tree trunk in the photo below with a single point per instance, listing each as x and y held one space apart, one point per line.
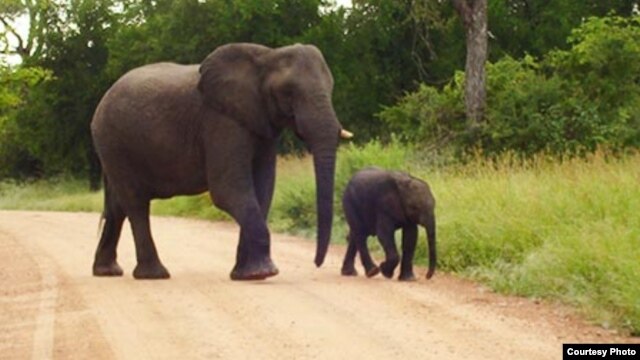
474 17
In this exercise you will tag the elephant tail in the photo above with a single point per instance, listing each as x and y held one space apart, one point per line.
431 241
103 216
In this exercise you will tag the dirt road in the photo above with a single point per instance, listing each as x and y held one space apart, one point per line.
51 306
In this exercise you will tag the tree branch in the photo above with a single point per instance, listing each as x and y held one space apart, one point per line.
20 49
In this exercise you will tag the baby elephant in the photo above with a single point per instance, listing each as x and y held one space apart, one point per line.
378 202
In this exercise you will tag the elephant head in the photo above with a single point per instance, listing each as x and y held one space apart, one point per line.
419 208
266 90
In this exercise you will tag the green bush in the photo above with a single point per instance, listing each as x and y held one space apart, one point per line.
428 115
603 68
16 146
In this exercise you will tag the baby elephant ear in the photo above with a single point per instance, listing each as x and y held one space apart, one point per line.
230 83
407 191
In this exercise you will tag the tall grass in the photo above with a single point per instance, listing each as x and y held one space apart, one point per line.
561 229
567 230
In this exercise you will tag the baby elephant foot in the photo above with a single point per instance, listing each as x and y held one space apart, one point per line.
151 270
110 269
407 276
373 271
254 270
349 271
388 267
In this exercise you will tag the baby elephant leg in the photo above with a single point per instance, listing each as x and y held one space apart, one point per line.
370 268
348 267
409 239
388 242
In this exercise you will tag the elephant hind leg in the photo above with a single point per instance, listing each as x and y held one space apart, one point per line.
357 239
348 267
105 262
385 234
370 267
149 265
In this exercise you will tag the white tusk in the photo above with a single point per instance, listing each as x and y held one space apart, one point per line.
346 134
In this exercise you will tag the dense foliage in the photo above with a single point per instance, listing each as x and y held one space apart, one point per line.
570 101
565 96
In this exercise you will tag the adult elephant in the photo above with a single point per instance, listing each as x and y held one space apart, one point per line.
167 129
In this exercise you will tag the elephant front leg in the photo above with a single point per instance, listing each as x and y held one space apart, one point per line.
348 267
409 239
253 257
385 234
241 184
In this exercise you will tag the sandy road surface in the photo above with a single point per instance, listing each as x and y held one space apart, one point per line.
51 306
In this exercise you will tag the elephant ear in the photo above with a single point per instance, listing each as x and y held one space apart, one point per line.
230 83
408 193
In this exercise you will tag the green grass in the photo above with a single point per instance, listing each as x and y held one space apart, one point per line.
60 194
65 194
567 231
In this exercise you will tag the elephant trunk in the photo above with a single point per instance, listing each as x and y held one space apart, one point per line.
324 161
430 227
318 126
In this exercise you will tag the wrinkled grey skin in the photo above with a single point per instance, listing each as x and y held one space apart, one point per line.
166 129
378 202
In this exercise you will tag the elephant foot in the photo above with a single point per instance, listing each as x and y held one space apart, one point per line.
349 271
388 267
254 270
408 276
373 271
430 273
151 271
110 269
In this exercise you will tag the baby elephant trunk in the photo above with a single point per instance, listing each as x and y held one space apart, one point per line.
430 227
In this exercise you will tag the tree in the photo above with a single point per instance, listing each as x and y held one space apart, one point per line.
473 14
41 17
